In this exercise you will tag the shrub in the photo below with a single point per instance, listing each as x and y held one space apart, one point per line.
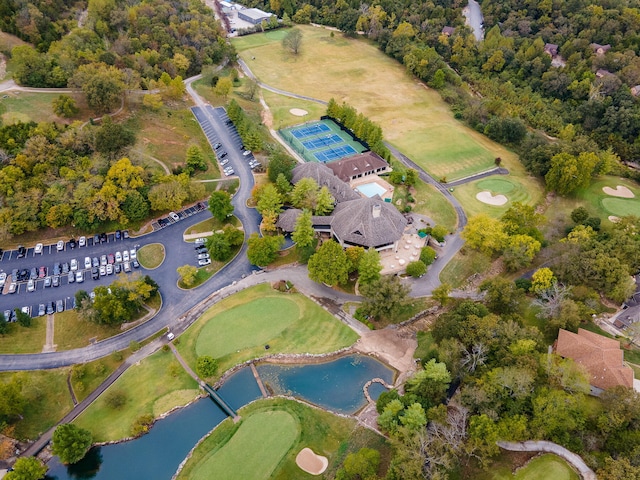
416 269
142 425
206 366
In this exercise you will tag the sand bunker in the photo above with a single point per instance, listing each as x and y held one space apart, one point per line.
310 462
298 112
619 191
613 219
486 197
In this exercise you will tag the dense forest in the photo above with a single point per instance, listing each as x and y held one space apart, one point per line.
578 101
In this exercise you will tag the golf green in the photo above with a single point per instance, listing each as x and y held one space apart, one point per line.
246 326
546 467
621 207
496 185
255 449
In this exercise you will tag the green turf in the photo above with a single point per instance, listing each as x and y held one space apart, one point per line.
241 322
430 202
254 451
264 318
146 385
545 467
19 339
621 207
497 185
600 204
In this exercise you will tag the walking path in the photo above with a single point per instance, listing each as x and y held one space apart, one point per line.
159 162
48 345
549 447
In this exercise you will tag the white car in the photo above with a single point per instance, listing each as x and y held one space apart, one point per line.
3 279
118 257
174 215
74 264
60 245
246 153
125 256
199 241
31 285
109 269
82 242
87 262
228 173
38 249
132 253
203 256
79 277
126 266
103 260
103 270
204 262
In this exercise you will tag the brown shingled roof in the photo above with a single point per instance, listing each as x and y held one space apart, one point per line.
347 168
601 356
324 176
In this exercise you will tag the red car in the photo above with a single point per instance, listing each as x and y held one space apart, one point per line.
110 259
42 272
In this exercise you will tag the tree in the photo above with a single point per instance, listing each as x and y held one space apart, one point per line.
361 465
324 202
219 247
27 468
303 232
252 88
152 101
102 84
12 401
116 399
22 318
220 205
292 41
305 194
263 250
441 294
280 163
485 234
569 173
112 137
187 274
65 106
206 366
519 251
430 384
416 269
384 296
501 295
427 255
439 232
615 469
542 279
195 159
269 200
369 267
329 264
223 87
70 442
579 215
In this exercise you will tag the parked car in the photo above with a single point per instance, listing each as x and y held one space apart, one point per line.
224 162
217 145
34 273
204 262
125 234
109 268
56 281
110 259
132 253
73 243
79 277
71 277
31 285
118 257
95 273
103 270
103 237
59 306
118 234
21 251
41 310
3 279
47 281
103 260
60 245
65 268
199 241
117 268
56 268
135 263
13 286
51 307
229 172
42 272
87 262
95 262
8 315
74 264
203 256
96 239
26 309
223 154
246 153
82 241
125 256
174 215
38 249
126 266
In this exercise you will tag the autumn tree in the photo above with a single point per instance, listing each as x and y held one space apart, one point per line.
187 274
329 264
485 234
65 106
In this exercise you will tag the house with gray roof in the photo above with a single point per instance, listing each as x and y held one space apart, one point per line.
358 166
254 15
324 177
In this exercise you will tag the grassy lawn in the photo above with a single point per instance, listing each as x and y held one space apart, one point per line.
154 386
325 434
430 202
73 331
255 449
48 400
26 106
237 328
602 205
167 133
210 225
280 106
24 340
464 264
151 256
543 467
413 117
89 375
517 188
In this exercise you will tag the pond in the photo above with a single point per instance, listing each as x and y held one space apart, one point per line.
336 385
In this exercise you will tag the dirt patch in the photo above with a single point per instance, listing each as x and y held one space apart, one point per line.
393 346
488 198
310 462
298 112
620 191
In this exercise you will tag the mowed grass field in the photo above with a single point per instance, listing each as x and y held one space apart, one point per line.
237 446
281 105
255 449
237 328
413 117
603 205
154 386
27 106
71 330
21 339
517 188
544 467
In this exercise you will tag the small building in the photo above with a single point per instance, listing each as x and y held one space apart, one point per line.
358 166
254 15
601 72
448 31
635 90
599 355
551 49
600 49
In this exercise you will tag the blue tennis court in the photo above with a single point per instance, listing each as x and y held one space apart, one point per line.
307 131
330 154
322 141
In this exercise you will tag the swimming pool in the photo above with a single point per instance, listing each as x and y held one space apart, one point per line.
371 189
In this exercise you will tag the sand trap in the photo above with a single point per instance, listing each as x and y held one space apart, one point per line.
486 197
310 462
619 191
298 112
613 219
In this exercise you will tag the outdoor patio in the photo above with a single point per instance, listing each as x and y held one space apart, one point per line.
409 248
